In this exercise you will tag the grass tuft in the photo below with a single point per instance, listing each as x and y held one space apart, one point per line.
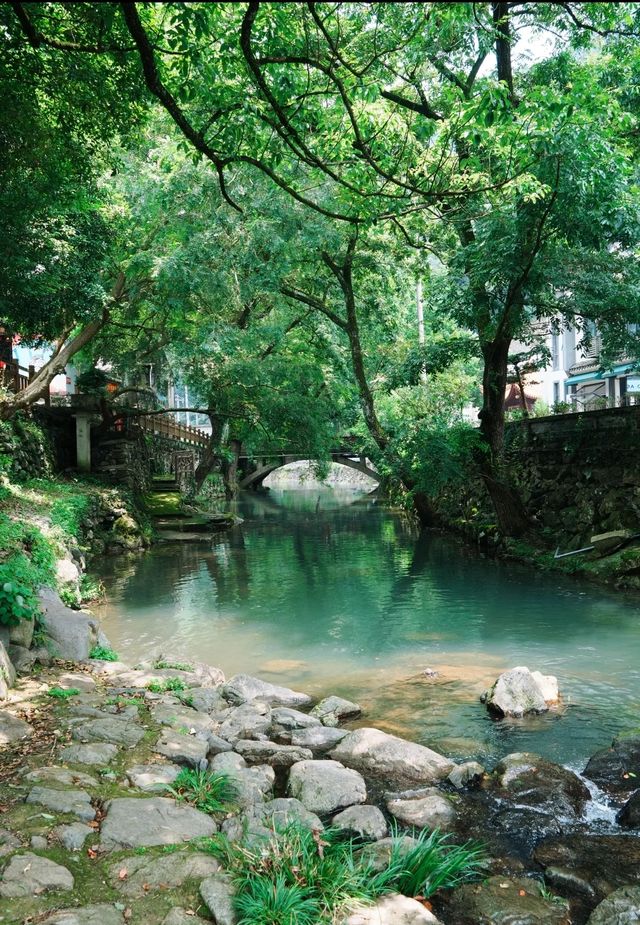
104 653
168 684
61 693
210 792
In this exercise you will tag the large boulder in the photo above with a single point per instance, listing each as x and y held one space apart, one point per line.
530 780
622 907
245 722
243 688
326 786
72 802
183 749
320 739
143 823
218 894
363 821
13 729
391 759
7 673
503 901
278 756
629 815
110 729
613 769
520 691
73 633
99 914
21 634
137 876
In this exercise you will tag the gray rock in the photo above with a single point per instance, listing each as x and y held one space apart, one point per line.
19 635
7 670
76 679
530 780
63 776
110 729
134 823
22 660
503 901
74 802
286 719
392 910
183 749
140 680
471 772
217 893
8 842
378 853
152 778
320 739
365 821
243 688
73 633
431 810
391 759
253 785
325 786
246 722
161 873
216 745
520 691
333 710
97 753
181 719
179 916
206 700
39 843
278 756
13 729
622 907
73 836
283 810
609 767
30 875
98 914
228 762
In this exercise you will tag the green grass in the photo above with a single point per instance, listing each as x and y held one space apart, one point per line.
175 666
60 693
168 684
210 792
104 653
299 877
159 503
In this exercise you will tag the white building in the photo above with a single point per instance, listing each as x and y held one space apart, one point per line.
575 377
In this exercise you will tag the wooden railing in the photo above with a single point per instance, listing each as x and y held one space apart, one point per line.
15 377
165 426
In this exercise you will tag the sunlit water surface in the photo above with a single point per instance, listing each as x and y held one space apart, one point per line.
331 593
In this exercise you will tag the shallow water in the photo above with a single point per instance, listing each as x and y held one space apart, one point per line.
330 592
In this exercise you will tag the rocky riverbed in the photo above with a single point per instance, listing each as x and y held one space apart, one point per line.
90 835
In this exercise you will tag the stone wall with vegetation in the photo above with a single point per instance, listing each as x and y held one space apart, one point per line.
25 450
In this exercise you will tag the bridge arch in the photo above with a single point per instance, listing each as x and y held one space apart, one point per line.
263 467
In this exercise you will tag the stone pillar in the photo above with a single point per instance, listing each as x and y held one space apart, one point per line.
83 440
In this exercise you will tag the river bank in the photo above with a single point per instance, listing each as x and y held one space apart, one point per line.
89 750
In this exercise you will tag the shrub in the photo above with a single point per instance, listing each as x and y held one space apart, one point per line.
212 793
104 653
60 693
434 864
276 902
169 684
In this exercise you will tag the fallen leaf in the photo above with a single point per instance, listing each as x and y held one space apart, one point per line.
522 892
146 887
123 873
126 915
93 854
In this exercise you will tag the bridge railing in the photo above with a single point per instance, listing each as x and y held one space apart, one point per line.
164 426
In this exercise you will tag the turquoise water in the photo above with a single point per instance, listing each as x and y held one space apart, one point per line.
330 592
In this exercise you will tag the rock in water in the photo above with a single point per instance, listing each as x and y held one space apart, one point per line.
502 901
73 633
333 710
391 759
609 768
629 815
243 688
520 691
432 810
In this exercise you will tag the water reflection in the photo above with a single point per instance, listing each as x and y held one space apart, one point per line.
329 591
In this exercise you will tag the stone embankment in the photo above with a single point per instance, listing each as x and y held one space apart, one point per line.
90 834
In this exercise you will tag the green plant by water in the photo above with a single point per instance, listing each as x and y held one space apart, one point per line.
210 792
302 877
104 653
176 685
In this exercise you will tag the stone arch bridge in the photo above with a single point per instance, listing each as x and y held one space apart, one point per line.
253 470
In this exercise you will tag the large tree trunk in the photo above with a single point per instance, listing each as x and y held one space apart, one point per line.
510 512
212 453
230 471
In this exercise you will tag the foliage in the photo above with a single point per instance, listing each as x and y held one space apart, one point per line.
27 561
210 792
176 666
434 863
104 653
305 875
60 693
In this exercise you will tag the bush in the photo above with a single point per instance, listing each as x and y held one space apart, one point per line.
27 561
299 876
104 653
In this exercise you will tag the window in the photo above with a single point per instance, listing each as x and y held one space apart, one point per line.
555 351
556 393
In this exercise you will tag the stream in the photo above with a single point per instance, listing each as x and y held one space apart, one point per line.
328 591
